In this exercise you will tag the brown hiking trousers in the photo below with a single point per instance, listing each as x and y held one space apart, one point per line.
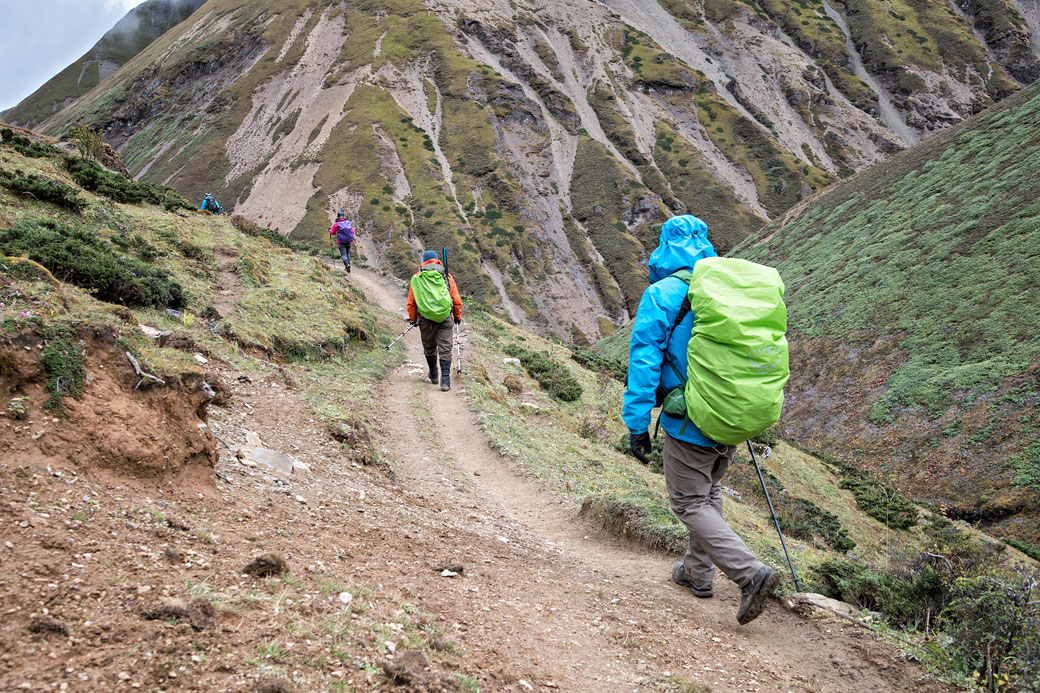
437 337
693 476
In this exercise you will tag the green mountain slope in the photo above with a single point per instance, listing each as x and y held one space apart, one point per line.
913 305
141 25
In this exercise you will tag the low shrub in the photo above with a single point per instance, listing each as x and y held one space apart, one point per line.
552 375
600 363
42 189
137 242
767 437
986 615
1025 547
96 178
192 251
26 146
253 271
880 501
656 460
993 626
802 518
877 499
80 257
799 517
62 363
909 599
247 227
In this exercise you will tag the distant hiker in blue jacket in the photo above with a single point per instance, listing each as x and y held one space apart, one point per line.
209 204
693 463
343 230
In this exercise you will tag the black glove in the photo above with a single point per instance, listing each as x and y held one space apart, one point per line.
640 447
458 321
413 323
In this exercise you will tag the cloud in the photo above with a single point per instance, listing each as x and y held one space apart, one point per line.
39 38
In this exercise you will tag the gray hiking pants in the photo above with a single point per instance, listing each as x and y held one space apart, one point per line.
693 476
437 337
344 252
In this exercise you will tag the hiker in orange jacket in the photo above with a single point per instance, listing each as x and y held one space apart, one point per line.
436 334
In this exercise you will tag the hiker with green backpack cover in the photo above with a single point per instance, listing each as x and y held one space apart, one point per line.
434 305
708 346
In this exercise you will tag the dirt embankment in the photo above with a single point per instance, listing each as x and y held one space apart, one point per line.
122 426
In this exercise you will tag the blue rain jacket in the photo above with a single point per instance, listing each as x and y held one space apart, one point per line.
207 201
684 241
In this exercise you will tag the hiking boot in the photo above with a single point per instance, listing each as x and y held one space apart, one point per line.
431 361
753 595
445 376
699 588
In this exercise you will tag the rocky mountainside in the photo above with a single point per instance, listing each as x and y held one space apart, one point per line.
542 144
913 308
141 25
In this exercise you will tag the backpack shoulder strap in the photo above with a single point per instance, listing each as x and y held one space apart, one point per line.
687 277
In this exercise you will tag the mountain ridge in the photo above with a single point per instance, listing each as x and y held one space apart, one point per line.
558 137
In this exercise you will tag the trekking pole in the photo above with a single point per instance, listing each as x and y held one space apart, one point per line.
458 349
458 343
776 521
399 337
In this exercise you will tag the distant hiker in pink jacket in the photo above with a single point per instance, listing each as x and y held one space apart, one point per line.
343 230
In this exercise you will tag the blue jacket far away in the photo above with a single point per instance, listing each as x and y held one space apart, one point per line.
684 241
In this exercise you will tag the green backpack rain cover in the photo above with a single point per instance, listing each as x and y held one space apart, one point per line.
738 362
432 298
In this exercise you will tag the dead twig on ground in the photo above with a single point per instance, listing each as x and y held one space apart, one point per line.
144 376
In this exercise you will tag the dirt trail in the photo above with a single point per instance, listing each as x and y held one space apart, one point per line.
541 600
603 611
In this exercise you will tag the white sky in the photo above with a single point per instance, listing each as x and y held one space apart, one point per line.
39 38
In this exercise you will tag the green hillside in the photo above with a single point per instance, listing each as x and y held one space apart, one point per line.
852 536
913 309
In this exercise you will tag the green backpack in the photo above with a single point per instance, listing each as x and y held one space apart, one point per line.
432 298
738 361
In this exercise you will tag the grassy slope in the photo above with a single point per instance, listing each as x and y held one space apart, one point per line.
292 307
285 312
284 328
899 34
926 266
